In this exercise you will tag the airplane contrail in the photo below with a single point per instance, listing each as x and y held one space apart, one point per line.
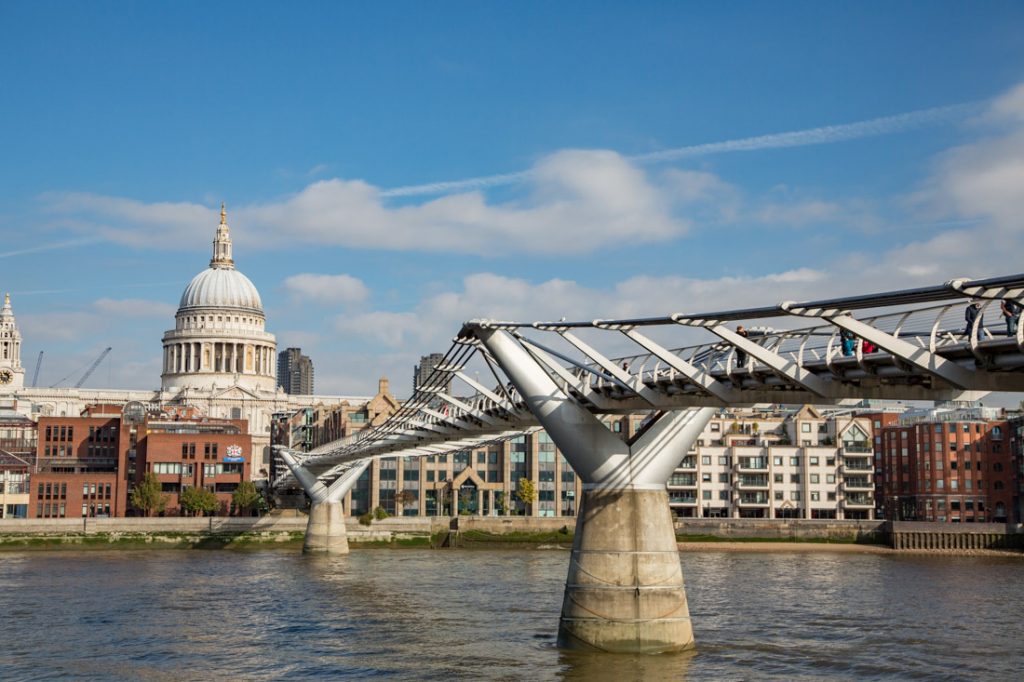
50 247
885 125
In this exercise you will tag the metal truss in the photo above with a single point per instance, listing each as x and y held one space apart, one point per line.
906 345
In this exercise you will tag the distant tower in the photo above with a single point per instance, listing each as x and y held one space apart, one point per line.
12 374
295 372
423 371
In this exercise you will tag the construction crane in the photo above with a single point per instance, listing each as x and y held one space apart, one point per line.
88 372
92 367
35 375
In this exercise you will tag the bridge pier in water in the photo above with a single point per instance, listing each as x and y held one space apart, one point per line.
624 591
325 530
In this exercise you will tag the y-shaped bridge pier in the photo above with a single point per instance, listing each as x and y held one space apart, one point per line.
624 590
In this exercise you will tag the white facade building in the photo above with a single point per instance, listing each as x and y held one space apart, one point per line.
219 358
770 465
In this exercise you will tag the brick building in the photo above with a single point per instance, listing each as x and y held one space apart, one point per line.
88 465
201 453
82 465
948 466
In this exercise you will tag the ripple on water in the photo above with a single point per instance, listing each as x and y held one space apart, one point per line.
425 615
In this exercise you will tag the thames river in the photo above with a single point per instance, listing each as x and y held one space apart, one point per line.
422 614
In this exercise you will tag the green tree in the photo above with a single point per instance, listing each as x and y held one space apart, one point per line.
380 513
404 497
246 497
526 492
465 499
147 495
199 500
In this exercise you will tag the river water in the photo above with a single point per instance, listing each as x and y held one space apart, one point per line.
443 615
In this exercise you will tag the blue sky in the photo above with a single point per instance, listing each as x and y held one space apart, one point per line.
124 125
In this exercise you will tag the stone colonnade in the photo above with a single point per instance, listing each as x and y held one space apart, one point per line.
225 357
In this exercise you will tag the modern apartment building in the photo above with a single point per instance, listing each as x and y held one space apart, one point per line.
778 464
767 463
295 372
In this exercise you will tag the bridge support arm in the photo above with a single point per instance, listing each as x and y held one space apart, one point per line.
624 591
325 530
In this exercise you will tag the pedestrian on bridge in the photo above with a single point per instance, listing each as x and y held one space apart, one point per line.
1011 314
849 340
741 357
970 315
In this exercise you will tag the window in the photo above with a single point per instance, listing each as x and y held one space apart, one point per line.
723 460
794 478
723 495
815 478
795 496
705 478
705 459
778 478
815 496
794 461
814 461
723 478
777 461
830 478
705 495
805 428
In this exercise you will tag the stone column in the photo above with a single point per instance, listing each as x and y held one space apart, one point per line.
325 531
625 589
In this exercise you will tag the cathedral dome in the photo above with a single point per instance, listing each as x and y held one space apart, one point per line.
219 337
220 285
221 288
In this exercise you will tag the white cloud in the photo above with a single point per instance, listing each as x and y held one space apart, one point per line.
329 289
578 201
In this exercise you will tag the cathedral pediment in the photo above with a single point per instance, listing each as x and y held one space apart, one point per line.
235 392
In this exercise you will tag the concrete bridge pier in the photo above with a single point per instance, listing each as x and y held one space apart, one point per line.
624 591
325 530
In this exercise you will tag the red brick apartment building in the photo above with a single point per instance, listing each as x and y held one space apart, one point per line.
954 471
88 465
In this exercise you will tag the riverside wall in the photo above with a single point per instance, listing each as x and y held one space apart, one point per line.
900 535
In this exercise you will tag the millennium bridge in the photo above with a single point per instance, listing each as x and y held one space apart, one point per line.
624 590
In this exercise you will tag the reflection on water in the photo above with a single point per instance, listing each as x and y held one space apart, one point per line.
422 614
